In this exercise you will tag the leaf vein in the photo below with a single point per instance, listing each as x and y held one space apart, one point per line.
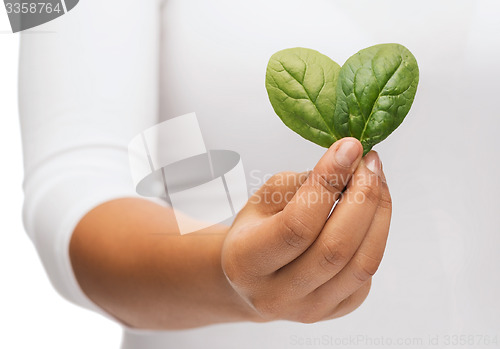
309 96
376 101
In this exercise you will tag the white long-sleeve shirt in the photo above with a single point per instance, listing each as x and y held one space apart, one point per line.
94 78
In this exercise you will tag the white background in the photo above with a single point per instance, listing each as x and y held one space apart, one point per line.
32 314
440 273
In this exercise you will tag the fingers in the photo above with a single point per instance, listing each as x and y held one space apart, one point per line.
317 310
352 302
331 275
343 233
349 288
312 203
302 214
279 190
288 233
367 258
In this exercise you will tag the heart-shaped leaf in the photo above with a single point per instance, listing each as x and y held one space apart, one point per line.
301 84
367 98
375 92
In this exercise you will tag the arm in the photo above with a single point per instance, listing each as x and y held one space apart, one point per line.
129 258
281 258
88 84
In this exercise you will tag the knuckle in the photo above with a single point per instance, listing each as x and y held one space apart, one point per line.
370 191
281 178
334 254
366 266
309 314
274 178
295 233
352 302
331 184
385 201
277 191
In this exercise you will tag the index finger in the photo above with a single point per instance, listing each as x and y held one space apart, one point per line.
287 234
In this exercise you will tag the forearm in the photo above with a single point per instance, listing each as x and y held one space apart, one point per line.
129 258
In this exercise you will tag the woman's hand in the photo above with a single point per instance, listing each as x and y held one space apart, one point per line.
288 258
284 258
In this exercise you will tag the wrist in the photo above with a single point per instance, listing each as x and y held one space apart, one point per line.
238 309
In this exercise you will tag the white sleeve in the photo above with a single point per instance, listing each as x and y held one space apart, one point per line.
88 82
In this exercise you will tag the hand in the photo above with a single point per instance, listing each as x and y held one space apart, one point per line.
288 258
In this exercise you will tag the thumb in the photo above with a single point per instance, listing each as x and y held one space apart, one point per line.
314 200
292 230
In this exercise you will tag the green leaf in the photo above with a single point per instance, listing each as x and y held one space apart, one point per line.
367 98
301 84
376 89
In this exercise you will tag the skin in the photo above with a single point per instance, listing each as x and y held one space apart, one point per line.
284 257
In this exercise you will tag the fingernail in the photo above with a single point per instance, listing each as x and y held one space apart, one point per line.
347 153
372 162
